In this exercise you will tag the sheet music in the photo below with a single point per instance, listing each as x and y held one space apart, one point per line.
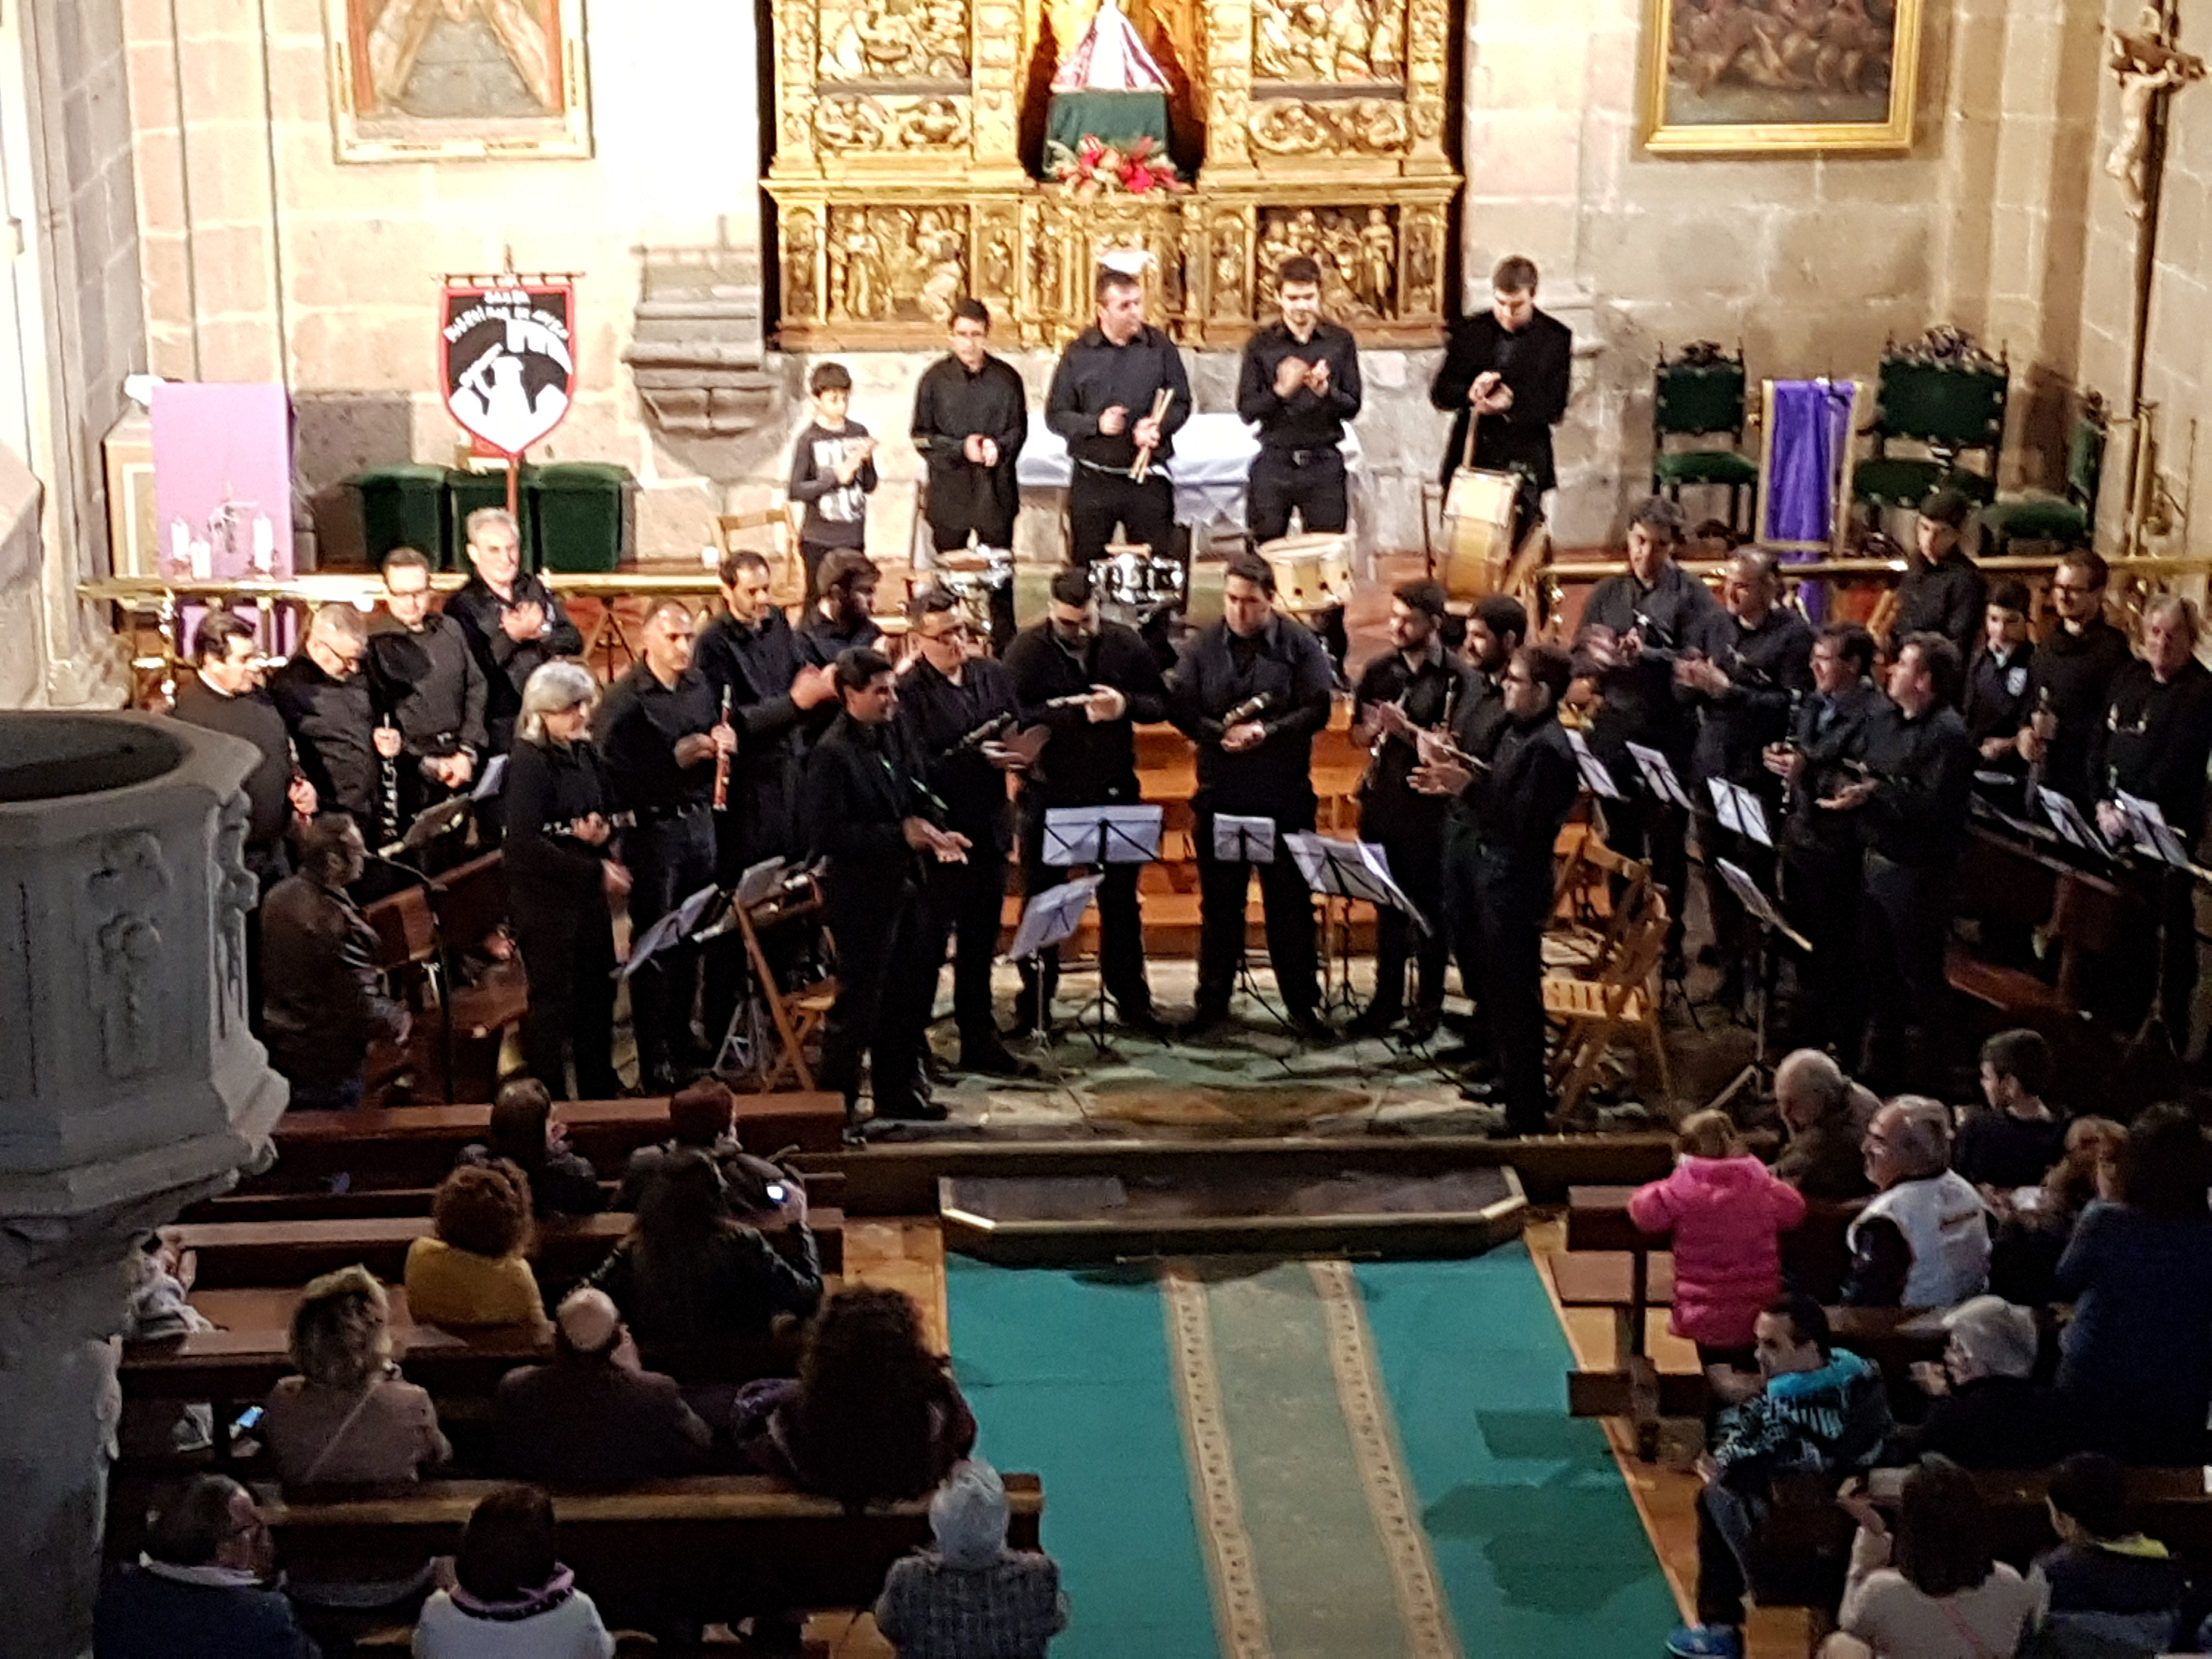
1052 916
670 930
758 881
1742 811
2153 835
1597 778
2066 818
1723 795
1243 840
1761 907
1659 775
1102 834
1350 870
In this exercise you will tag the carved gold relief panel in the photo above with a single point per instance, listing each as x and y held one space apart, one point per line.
896 264
1356 248
1328 42
1338 126
854 124
892 41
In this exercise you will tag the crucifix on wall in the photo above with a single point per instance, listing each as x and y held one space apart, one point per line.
2149 64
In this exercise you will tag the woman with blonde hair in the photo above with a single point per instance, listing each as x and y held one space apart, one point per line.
563 869
472 1270
348 1418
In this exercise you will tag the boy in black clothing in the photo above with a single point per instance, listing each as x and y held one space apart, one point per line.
833 469
2019 1139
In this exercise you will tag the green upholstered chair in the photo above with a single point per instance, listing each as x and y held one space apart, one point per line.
1699 393
2065 519
1948 407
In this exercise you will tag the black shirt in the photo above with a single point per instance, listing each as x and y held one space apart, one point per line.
1640 704
756 663
2075 672
859 790
1832 733
2155 741
508 664
1432 691
1770 668
550 786
938 718
1522 800
1947 596
1996 1149
824 641
252 716
1086 763
1536 363
1216 672
1924 774
1093 375
1477 724
1997 707
1303 420
637 730
334 725
429 679
953 404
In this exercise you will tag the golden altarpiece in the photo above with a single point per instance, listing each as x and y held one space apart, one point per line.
909 141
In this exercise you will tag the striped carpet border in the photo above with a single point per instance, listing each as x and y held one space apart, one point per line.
1240 1612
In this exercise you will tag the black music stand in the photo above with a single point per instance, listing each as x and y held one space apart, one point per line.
1242 838
1756 1075
1049 920
1095 835
1350 871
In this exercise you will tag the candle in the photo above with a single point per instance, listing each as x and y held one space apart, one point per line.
265 542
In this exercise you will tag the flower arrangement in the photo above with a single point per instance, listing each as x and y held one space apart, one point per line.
1095 167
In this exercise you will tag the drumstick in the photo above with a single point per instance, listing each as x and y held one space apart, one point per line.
1161 399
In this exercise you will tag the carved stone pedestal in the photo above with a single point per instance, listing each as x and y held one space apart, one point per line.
128 1087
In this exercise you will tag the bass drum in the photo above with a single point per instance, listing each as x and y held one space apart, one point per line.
1477 525
1207 579
1313 572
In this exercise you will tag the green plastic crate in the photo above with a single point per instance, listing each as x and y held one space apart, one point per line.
467 491
405 505
580 510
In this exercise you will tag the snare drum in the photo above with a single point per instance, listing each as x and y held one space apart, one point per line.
973 576
1137 583
1313 572
1478 530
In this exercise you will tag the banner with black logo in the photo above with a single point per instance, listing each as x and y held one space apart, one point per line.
505 353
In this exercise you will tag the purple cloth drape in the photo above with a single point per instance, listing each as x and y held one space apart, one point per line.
1807 447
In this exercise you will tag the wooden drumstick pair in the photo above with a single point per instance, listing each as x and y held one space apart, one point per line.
1161 399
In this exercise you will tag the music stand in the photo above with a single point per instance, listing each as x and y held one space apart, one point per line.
1049 919
1350 871
1102 834
429 824
1659 776
493 781
1770 921
1243 840
2066 818
1741 811
2154 837
1597 777
668 932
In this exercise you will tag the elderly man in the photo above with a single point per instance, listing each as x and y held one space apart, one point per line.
1986 1412
1812 1408
1825 1157
514 622
938 1603
199 1591
346 748
321 1006
1922 1240
594 1417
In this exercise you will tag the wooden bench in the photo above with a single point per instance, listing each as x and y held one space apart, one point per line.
236 1254
415 1146
667 1553
315 1204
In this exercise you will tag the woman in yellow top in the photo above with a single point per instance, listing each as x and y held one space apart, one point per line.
473 1272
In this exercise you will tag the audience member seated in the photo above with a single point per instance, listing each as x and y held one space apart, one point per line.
595 1417
321 1006
199 1591
1928 1586
2136 1359
1727 1214
472 1271
687 1273
2034 1224
348 1419
1922 1240
2109 1591
1987 1412
1813 1409
1823 1158
161 1279
874 1416
523 1132
700 1117
2017 1140
512 1598
971 1598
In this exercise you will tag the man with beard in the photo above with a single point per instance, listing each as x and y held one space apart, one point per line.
2070 680
511 618
425 674
844 617
1090 683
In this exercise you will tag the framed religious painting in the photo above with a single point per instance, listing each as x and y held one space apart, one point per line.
1746 77
428 79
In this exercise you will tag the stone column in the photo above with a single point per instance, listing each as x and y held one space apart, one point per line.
128 1087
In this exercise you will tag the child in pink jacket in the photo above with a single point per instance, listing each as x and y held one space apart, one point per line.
1727 1211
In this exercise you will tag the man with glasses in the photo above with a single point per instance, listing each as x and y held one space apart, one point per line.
1090 682
224 693
2070 680
203 1586
345 743
426 675
957 707
512 621
1519 799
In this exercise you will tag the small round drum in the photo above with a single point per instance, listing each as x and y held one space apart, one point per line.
1313 572
1478 530
1135 582
972 576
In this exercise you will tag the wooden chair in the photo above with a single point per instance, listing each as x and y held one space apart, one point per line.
737 532
1624 999
1591 937
797 1015
469 902
408 957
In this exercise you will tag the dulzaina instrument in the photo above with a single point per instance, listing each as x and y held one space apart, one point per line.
1313 571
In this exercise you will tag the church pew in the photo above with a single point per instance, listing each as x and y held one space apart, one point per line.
243 1253
415 1146
254 1205
666 1552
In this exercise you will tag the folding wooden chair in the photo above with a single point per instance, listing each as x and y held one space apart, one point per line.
407 955
788 573
1602 893
1622 1000
797 1015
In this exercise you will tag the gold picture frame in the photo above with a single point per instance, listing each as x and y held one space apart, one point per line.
1752 76
476 80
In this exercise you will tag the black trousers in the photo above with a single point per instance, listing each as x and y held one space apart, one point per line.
884 985
1905 925
2165 966
1510 906
1463 911
1822 897
669 861
1120 931
568 944
1317 490
1416 861
965 905
754 827
1097 501
1222 888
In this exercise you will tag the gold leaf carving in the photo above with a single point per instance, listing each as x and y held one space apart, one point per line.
894 40
1354 126
895 265
849 122
1356 248
1311 42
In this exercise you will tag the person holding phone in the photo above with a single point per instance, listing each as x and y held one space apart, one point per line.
1923 1582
